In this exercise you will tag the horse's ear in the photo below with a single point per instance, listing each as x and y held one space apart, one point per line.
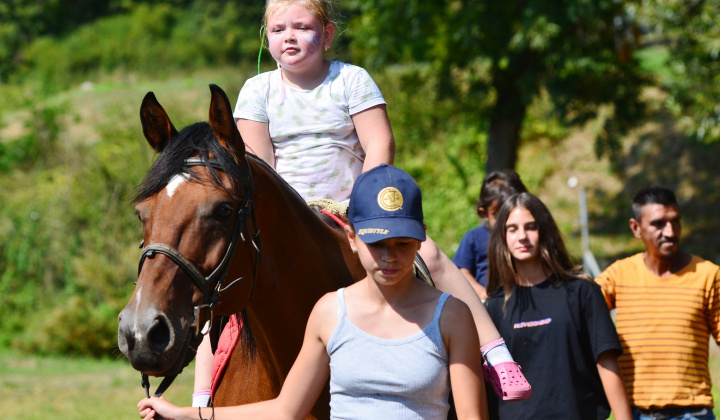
157 127
223 123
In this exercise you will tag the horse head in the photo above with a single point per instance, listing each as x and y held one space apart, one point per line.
196 206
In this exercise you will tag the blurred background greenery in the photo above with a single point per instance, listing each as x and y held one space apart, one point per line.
616 93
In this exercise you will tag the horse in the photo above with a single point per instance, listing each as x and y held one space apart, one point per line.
210 210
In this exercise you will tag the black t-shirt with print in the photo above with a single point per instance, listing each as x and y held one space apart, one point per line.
556 331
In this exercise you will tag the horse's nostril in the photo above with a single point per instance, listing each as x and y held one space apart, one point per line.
130 342
159 336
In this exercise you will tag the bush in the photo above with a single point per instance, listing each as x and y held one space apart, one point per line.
65 225
153 39
73 326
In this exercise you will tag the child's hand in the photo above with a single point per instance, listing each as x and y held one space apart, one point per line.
156 408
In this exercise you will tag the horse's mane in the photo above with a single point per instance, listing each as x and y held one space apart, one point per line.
195 140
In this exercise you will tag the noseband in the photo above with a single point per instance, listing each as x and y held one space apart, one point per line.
211 295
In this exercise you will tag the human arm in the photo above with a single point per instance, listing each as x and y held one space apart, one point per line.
449 279
203 371
468 388
471 258
611 378
376 138
300 390
712 311
256 136
479 288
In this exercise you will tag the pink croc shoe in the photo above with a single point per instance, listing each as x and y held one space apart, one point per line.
508 381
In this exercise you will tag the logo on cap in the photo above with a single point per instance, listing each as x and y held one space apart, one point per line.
390 199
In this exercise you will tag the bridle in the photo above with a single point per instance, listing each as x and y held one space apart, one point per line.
211 295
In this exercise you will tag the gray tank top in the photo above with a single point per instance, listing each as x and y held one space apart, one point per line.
376 378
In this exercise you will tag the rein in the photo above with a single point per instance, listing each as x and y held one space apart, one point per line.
211 295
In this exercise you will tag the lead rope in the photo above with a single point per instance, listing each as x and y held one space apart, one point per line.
164 385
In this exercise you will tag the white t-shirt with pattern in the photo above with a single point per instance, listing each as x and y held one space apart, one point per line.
317 150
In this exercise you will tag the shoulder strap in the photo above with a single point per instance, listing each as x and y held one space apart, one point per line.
440 305
341 303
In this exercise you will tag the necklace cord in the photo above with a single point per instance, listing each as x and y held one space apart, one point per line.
262 39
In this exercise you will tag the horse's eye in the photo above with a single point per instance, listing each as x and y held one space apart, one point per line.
224 210
138 216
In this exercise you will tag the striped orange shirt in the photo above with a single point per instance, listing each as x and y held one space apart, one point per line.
664 324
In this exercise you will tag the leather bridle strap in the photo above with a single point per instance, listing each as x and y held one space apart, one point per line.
164 385
200 281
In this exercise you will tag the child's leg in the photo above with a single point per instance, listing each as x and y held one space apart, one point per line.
501 369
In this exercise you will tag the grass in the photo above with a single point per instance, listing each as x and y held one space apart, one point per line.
38 388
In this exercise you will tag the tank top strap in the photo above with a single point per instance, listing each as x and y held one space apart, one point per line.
341 304
438 309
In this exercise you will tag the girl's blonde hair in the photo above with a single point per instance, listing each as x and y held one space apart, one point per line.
322 10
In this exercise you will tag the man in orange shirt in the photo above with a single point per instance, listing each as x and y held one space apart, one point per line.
668 304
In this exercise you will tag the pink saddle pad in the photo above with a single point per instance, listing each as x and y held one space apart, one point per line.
226 344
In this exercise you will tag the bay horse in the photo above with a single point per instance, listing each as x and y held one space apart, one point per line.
211 210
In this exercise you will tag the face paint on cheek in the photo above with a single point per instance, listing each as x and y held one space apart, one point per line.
313 41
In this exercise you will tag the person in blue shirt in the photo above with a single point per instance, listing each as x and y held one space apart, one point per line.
471 256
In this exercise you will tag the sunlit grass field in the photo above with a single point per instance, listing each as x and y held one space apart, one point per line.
40 388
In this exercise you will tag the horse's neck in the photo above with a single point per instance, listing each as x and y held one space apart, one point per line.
306 257
302 259
298 242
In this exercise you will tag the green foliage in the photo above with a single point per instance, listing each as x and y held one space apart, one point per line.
65 228
22 21
571 50
21 252
34 148
690 38
654 60
152 39
75 327
442 147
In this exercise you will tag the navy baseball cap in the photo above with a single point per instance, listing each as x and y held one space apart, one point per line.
386 203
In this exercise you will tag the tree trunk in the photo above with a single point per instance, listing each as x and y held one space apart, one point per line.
505 125
507 114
